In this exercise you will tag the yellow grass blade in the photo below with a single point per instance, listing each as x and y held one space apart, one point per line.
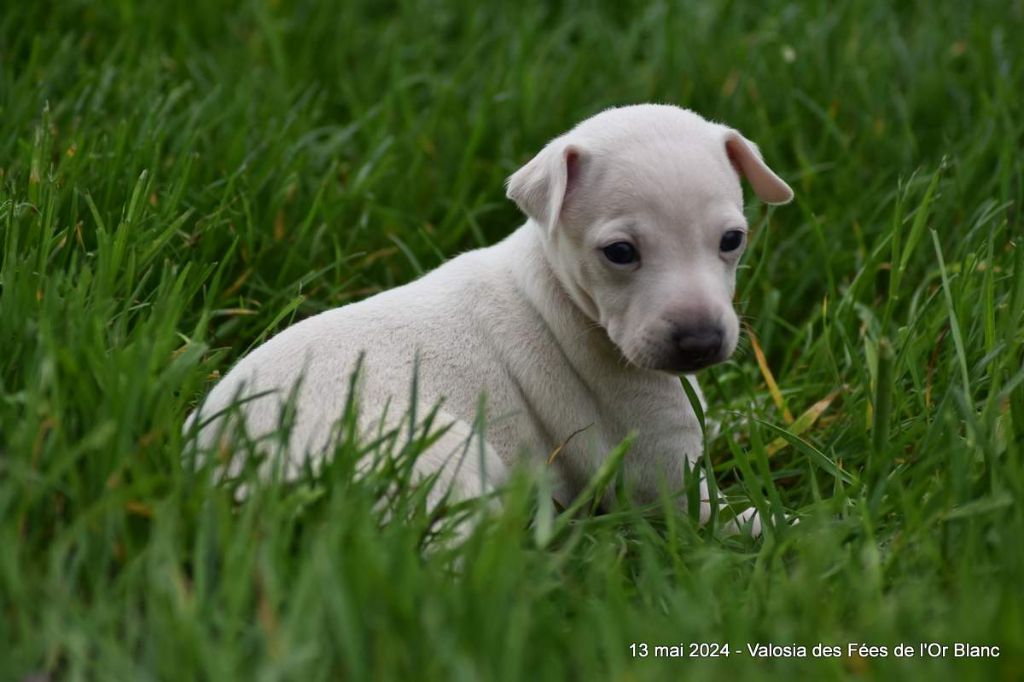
557 451
804 421
769 379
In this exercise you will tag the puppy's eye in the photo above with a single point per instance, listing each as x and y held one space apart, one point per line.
731 240
621 253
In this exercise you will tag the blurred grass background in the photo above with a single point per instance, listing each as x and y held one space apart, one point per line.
179 181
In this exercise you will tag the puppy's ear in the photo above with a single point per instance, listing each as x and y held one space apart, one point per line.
541 187
746 159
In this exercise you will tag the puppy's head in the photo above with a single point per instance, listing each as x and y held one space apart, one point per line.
642 212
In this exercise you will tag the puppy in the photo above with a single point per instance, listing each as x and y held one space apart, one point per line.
574 329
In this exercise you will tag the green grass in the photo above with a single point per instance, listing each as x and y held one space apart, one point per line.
180 180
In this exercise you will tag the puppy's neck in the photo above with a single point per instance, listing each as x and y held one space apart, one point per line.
568 312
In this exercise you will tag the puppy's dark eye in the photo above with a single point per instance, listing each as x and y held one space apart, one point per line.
731 240
621 253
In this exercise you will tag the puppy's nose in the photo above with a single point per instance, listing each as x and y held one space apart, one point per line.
697 346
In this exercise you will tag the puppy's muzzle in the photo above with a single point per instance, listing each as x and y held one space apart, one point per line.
696 347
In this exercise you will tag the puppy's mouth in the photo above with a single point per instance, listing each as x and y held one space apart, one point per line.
688 365
684 356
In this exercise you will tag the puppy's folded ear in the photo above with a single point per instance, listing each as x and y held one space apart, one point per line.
746 159
542 187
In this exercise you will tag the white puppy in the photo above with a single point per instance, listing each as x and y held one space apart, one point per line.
580 322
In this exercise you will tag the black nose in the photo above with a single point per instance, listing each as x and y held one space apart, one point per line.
697 347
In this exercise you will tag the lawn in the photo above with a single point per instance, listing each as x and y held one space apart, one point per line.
180 180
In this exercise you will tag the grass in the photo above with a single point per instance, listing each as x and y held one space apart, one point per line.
178 181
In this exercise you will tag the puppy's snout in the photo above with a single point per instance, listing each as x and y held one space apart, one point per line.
697 346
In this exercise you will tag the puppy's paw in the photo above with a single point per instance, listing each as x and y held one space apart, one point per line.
747 522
